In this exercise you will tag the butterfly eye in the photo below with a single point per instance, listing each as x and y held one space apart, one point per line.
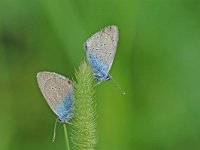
108 78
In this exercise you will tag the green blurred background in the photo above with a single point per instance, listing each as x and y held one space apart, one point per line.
157 64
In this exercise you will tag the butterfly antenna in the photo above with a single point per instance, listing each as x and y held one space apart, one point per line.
118 86
54 130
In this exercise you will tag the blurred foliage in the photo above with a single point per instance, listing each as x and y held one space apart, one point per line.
157 63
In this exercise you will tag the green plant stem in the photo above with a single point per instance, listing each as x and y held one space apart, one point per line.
84 135
66 137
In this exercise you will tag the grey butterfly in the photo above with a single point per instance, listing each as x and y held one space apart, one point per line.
58 92
100 51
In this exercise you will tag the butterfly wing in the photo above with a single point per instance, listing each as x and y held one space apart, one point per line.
101 49
58 92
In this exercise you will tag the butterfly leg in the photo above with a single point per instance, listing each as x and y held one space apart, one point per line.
98 82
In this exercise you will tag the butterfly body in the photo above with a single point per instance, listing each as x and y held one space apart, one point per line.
100 51
58 92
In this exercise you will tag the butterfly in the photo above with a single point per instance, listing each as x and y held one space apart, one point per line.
58 92
100 51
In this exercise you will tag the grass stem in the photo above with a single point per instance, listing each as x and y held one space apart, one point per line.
66 137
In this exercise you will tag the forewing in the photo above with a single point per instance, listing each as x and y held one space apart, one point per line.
54 88
103 45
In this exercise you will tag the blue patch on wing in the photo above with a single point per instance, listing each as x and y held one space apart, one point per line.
64 110
100 69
